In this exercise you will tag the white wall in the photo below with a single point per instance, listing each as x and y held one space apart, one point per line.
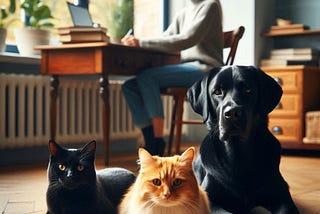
236 13
254 15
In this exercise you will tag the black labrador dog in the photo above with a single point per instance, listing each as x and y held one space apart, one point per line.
238 162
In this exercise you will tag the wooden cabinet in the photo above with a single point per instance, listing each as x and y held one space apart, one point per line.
301 93
305 32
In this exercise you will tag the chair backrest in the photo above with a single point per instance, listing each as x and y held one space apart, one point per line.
231 40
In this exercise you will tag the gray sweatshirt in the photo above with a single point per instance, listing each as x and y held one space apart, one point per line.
197 32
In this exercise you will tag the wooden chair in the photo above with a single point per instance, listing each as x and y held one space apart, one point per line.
231 40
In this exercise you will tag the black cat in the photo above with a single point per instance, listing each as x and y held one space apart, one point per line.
76 187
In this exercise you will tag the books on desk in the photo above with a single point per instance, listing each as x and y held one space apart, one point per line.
292 56
84 37
82 34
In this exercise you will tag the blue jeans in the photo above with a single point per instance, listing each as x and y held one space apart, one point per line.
143 92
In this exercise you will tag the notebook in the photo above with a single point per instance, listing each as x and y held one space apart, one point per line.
80 15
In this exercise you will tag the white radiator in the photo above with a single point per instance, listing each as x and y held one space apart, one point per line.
24 111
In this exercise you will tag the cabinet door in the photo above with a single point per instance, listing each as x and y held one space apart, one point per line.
290 81
288 106
286 130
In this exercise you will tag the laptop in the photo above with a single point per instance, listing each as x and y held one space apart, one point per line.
80 16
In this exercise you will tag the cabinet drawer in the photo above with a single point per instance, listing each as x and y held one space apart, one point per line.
289 81
286 129
288 106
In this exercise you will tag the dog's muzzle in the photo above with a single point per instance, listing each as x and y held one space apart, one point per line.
232 113
232 122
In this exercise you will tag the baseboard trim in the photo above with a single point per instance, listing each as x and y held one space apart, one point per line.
36 154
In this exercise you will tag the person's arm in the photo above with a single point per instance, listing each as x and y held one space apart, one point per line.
130 40
173 29
186 38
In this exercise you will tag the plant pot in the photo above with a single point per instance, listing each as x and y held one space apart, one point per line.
27 38
115 40
3 36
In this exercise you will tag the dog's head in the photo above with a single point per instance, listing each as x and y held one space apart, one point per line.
234 99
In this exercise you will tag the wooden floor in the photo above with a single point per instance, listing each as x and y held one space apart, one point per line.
22 188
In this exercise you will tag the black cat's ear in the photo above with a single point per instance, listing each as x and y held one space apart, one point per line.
53 148
90 147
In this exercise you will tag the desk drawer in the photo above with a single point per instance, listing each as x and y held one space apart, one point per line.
288 106
289 81
286 129
131 60
132 65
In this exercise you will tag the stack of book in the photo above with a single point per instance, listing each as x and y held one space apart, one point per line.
82 34
292 56
287 29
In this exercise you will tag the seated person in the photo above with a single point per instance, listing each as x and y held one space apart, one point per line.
197 32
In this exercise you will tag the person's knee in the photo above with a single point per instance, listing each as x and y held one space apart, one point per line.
147 80
124 86
128 86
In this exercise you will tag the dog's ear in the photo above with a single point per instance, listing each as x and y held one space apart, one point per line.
270 92
199 99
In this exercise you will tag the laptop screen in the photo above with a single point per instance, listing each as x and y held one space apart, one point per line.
80 16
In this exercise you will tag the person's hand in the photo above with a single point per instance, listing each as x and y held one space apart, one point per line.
130 41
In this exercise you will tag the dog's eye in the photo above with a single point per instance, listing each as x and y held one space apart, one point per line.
80 168
217 91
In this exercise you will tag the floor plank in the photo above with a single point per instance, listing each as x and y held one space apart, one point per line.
23 188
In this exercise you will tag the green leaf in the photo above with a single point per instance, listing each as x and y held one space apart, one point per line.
4 13
28 9
33 21
12 7
43 12
38 12
47 24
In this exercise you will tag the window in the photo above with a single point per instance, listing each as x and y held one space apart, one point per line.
147 19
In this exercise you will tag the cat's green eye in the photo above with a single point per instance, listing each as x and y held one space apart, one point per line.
177 182
156 182
80 168
62 167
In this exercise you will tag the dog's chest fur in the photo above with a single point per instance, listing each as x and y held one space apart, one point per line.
237 168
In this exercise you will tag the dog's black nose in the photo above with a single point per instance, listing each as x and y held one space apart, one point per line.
232 113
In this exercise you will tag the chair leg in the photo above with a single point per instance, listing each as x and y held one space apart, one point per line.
178 122
173 123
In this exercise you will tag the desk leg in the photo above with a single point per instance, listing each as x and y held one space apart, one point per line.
53 106
104 93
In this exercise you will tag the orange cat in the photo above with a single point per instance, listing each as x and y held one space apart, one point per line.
165 185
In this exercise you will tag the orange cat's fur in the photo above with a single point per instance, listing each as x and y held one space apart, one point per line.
165 185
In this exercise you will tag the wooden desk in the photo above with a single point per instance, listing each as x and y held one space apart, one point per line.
100 59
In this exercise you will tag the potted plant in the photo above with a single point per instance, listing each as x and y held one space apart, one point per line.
37 19
5 21
119 18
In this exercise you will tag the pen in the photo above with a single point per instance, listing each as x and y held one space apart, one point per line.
130 31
